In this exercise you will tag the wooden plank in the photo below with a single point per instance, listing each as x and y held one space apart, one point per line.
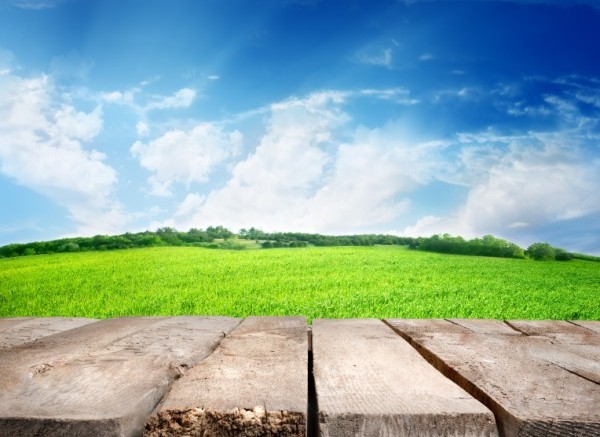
254 384
370 382
103 378
485 326
20 330
520 378
575 348
588 324
550 328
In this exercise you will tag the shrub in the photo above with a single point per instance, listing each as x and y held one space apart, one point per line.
563 255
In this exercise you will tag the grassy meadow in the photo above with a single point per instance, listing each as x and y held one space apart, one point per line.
380 281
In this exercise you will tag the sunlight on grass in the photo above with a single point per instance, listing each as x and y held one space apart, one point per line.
314 282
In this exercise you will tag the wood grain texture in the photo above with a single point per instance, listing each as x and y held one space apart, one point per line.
254 384
521 378
103 378
592 325
574 348
371 382
563 331
485 326
20 330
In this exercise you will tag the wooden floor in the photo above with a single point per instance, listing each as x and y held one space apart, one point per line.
276 376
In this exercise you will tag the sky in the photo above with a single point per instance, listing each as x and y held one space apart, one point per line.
408 117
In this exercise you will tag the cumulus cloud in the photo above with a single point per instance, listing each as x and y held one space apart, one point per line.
302 176
41 147
534 180
267 187
185 156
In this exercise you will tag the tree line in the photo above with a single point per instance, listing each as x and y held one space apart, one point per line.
300 239
218 237
488 245
161 237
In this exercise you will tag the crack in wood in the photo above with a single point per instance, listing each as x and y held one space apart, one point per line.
510 325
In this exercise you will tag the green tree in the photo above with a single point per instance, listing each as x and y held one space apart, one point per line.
541 252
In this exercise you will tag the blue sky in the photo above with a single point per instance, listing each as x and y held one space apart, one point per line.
410 117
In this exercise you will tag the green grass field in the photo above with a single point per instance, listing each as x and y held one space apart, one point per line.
314 282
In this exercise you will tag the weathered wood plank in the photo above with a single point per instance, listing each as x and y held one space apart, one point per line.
103 378
15 331
485 326
370 382
560 330
574 347
520 378
589 324
254 384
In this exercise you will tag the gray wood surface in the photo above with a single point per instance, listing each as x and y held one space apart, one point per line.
254 384
20 330
525 379
557 329
101 379
575 348
485 326
592 325
371 382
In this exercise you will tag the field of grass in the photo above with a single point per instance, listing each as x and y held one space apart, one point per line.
314 282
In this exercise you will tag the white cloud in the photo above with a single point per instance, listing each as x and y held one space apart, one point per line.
35 4
142 128
459 93
213 77
397 95
41 148
185 157
131 97
426 57
590 97
566 109
382 57
181 99
534 180
268 187
303 177
112 97
518 109
190 204
68 123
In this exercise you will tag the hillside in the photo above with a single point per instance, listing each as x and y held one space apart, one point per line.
379 281
222 238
